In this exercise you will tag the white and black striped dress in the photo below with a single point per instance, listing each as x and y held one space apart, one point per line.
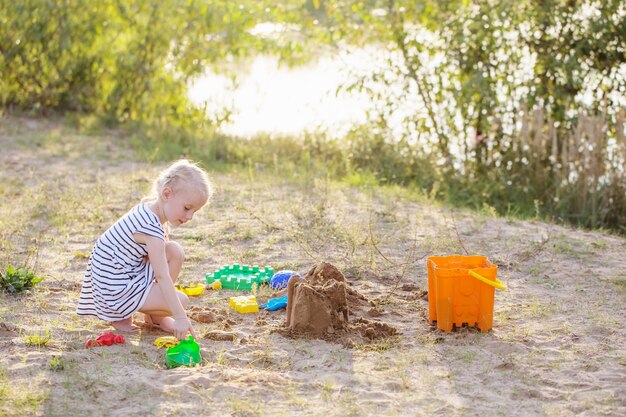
118 278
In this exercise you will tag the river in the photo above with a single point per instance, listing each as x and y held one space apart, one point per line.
267 97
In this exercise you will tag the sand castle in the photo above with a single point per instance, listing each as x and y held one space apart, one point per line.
320 304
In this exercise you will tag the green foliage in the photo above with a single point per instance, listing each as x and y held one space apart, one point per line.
518 103
56 363
15 280
128 60
38 340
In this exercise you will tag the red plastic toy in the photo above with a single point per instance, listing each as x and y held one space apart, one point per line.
106 339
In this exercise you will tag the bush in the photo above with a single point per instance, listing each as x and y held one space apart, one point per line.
16 280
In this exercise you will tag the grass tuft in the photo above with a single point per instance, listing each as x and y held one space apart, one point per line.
38 340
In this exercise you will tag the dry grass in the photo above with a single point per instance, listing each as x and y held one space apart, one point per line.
580 167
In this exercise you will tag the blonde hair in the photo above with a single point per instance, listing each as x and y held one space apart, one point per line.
179 174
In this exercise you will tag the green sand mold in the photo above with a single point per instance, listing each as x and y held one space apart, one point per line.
186 353
241 277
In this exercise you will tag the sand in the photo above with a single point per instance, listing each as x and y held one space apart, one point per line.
557 347
317 307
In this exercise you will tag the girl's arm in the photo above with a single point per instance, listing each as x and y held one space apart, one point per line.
158 260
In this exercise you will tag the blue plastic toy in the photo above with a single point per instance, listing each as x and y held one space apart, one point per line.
280 279
275 303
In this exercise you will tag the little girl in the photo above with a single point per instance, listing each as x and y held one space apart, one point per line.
133 265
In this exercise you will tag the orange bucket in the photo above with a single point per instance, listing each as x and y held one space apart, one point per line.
461 290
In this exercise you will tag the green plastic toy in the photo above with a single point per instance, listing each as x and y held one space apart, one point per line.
186 353
242 278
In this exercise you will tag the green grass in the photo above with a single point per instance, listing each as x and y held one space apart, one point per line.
56 363
351 162
38 340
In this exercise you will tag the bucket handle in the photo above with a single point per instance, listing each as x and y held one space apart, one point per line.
496 284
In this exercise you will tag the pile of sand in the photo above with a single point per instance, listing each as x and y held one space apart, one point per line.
205 315
320 304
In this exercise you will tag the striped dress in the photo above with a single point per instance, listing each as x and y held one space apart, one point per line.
118 279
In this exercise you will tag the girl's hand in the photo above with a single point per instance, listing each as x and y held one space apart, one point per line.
181 327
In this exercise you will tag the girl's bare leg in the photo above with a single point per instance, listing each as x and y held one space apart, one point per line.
159 315
155 309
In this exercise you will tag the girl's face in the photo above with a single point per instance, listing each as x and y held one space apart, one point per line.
180 205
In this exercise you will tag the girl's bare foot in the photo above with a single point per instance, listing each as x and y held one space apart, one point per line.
163 322
166 324
125 326
147 319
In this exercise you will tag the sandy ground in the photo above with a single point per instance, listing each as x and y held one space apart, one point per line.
557 347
